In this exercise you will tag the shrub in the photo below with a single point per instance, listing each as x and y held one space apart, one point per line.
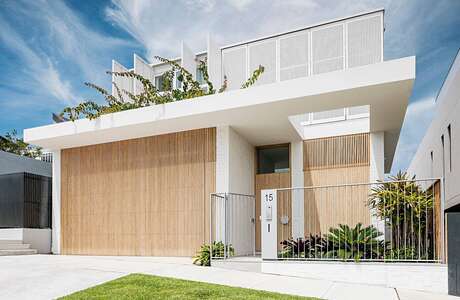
308 247
203 257
354 243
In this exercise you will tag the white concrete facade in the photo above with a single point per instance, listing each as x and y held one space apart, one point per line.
38 238
439 151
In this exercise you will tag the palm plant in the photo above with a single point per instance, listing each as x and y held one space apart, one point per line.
406 210
354 243
150 95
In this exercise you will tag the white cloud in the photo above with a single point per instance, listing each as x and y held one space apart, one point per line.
37 66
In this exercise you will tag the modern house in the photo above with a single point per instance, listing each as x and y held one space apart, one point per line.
316 131
25 205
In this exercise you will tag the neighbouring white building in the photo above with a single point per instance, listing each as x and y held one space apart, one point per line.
438 154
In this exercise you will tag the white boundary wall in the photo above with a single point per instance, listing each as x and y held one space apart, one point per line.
56 204
38 238
424 277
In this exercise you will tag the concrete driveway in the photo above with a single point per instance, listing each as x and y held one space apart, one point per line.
51 276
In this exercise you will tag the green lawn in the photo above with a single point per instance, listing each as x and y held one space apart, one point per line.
138 286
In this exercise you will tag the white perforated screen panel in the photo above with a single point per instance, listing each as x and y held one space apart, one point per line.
234 67
358 110
294 56
365 41
263 54
329 114
327 49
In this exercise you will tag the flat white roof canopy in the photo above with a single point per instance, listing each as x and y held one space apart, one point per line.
260 113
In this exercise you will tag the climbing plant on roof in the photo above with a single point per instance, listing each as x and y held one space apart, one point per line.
150 94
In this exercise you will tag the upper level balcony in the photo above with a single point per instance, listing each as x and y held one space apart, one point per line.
336 45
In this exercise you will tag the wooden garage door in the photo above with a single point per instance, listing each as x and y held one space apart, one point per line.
147 196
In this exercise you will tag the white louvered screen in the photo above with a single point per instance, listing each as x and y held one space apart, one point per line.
327 49
294 56
358 110
365 41
234 67
143 69
336 114
264 54
123 83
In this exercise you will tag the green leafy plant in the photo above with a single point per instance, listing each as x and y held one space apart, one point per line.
203 256
10 142
355 243
407 211
150 95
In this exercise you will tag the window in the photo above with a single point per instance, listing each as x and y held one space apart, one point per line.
443 157
178 83
199 76
449 133
273 159
159 82
432 162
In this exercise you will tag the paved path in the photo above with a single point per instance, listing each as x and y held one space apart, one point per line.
47 276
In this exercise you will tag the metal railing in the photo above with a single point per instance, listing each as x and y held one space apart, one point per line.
392 221
47 157
232 231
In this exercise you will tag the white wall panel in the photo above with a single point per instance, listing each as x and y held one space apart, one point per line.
234 67
214 63
327 49
188 61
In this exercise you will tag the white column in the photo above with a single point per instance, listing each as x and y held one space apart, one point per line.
377 164
188 60
269 230
297 194
56 203
377 168
222 159
214 63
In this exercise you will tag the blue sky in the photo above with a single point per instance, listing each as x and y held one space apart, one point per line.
49 48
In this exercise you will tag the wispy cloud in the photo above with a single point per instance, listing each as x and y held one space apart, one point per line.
57 50
38 66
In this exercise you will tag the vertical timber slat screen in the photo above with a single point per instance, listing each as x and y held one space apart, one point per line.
25 201
146 196
332 161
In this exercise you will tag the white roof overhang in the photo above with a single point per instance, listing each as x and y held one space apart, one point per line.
259 113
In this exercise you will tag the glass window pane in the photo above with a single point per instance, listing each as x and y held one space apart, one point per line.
273 159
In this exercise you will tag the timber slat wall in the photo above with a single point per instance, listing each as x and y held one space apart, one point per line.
146 196
332 161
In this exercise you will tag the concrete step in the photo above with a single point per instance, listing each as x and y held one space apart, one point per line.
18 252
14 246
3 242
